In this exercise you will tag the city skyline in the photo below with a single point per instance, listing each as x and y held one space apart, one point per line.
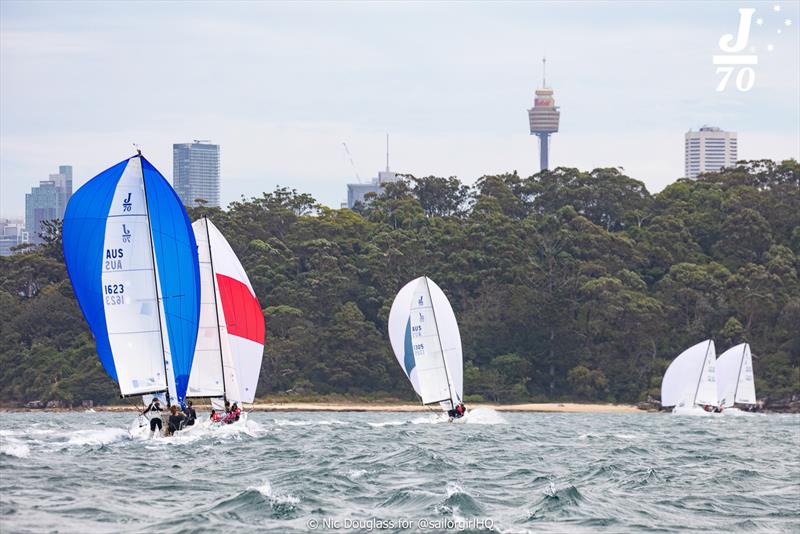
291 83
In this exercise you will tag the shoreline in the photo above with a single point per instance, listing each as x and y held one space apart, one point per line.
554 407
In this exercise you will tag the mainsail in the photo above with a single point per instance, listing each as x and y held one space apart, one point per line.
424 335
690 378
132 260
230 340
735 376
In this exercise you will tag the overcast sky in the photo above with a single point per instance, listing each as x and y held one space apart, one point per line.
281 86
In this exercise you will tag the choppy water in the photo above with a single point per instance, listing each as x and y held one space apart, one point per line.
500 472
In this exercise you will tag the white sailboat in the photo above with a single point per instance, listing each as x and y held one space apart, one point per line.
689 384
230 339
735 383
425 339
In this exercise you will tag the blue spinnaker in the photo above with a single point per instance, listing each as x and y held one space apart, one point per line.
135 273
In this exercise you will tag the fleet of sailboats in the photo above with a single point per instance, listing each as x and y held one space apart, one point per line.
168 302
699 383
174 314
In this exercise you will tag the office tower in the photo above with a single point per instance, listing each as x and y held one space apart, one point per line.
47 201
195 173
544 117
709 150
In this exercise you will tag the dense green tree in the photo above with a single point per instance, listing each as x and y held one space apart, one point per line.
566 284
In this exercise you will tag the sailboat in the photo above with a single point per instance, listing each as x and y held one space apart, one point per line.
735 384
424 335
230 339
689 383
132 260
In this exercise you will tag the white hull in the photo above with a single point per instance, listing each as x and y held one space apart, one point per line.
695 411
140 428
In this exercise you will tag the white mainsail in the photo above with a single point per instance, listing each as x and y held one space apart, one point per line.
735 376
133 310
424 334
691 377
230 341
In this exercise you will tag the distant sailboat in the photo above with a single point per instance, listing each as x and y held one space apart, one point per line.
424 335
735 384
689 383
230 340
132 259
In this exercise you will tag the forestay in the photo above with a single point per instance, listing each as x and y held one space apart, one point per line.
735 382
230 342
690 378
425 339
132 261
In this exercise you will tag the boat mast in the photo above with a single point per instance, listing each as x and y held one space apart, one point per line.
155 276
441 347
216 311
700 379
739 374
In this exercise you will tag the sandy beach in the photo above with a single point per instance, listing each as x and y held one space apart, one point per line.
565 407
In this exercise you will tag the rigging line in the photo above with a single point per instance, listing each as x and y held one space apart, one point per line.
216 310
155 277
441 347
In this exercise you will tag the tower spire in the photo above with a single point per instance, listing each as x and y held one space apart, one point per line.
387 151
544 71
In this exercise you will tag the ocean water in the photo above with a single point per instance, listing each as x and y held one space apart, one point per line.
398 472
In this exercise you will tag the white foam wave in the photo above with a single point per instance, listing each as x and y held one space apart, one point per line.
15 448
483 416
97 437
453 489
276 498
355 474
387 423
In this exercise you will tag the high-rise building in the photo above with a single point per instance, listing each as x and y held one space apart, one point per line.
356 192
12 233
709 150
47 202
543 118
195 173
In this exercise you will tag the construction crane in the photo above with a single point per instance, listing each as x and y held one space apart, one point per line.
350 157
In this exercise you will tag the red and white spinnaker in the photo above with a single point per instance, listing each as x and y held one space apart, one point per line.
230 338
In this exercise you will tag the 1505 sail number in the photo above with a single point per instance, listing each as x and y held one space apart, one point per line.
115 294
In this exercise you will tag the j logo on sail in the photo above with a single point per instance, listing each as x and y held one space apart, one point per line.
126 234
420 301
746 76
126 204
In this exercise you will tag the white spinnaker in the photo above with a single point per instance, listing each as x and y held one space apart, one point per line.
689 379
746 391
131 304
435 381
398 325
241 356
729 365
206 378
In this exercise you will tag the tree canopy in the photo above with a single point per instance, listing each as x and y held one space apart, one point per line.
566 285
